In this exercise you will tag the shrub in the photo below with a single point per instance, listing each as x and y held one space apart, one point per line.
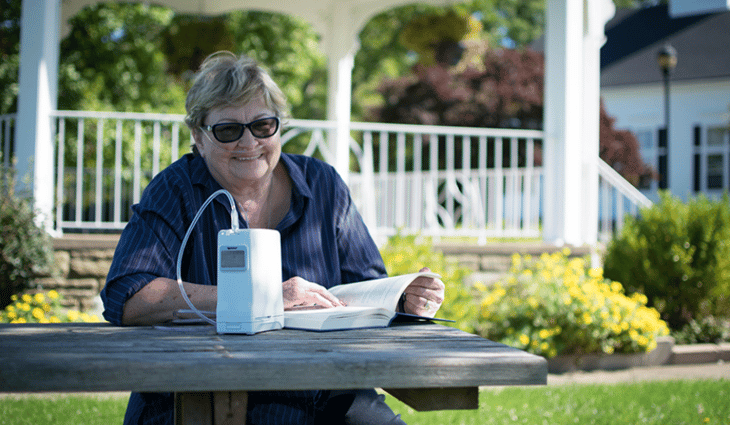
25 249
678 255
408 254
41 307
706 330
556 305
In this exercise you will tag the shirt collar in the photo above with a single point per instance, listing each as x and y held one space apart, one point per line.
199 174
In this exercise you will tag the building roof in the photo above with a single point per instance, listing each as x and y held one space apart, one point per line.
635 36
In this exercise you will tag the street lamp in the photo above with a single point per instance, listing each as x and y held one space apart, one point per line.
667 59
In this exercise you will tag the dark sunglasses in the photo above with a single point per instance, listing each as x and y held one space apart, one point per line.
231 131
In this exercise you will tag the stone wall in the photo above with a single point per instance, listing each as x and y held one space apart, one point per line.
489 262
82 262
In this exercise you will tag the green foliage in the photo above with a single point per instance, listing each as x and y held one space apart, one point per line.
289 48
25 249
382 56
425 32
404 254
41 307
678 255
705 330
557 305
111 60
9 54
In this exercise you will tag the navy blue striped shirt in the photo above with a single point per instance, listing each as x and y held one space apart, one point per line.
323 240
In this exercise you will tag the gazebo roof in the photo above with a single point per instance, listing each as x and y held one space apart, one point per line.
635 36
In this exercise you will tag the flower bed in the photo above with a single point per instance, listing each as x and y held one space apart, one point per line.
556 305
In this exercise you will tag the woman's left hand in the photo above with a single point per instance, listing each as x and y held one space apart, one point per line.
424 296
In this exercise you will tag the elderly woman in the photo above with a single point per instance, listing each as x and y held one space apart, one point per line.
234 111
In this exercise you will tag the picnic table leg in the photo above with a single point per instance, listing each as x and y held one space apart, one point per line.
211 408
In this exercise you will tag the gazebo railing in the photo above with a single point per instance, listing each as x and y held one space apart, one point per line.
437 181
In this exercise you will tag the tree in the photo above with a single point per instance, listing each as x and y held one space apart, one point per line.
111 60
506 91
382 56
289 48
285 45
9 54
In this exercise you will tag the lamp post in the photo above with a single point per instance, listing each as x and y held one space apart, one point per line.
667 59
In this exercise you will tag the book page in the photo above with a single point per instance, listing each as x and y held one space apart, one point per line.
337 318
379 292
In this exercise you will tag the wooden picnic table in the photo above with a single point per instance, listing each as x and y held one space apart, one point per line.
427 366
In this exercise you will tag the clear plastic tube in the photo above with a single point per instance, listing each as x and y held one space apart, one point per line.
234 226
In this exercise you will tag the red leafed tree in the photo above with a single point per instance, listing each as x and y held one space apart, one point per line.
504 90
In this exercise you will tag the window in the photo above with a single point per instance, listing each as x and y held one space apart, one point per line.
651 154
712 159
714 171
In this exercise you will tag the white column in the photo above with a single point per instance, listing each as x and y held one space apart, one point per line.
38 88
597 13
574 35
341 46
562 120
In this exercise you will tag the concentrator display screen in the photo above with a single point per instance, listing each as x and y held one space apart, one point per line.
233 259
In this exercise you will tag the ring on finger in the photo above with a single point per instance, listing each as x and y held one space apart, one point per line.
427 303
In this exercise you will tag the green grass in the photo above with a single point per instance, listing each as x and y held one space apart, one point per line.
62 409
669 402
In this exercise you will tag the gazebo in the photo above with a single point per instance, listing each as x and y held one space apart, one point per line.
574 34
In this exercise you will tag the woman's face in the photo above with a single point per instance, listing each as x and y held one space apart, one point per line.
246 161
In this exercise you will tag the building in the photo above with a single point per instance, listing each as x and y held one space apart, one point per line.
696 156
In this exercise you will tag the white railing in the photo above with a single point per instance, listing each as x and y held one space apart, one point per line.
437 181
616 198
448 181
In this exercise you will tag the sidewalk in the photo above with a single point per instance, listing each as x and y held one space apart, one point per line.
718 370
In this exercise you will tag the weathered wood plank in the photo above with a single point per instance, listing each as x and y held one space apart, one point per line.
72 357
229 408
194 408
430 399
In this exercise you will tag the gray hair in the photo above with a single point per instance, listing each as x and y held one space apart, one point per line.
225 80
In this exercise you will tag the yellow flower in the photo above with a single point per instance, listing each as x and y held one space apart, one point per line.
26 298
544 333
524 339
39 297
12 315
38 313
52 294
73 315
13 298
46 307
24 306
596 273
54 319
10 308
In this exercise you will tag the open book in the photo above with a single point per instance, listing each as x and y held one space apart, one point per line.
370 304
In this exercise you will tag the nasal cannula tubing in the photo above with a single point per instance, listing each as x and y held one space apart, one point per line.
234 227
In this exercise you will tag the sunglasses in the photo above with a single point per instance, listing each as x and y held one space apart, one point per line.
232 131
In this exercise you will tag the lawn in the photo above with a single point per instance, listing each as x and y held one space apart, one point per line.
668 402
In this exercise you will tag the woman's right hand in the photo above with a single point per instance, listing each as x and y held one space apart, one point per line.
300 294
